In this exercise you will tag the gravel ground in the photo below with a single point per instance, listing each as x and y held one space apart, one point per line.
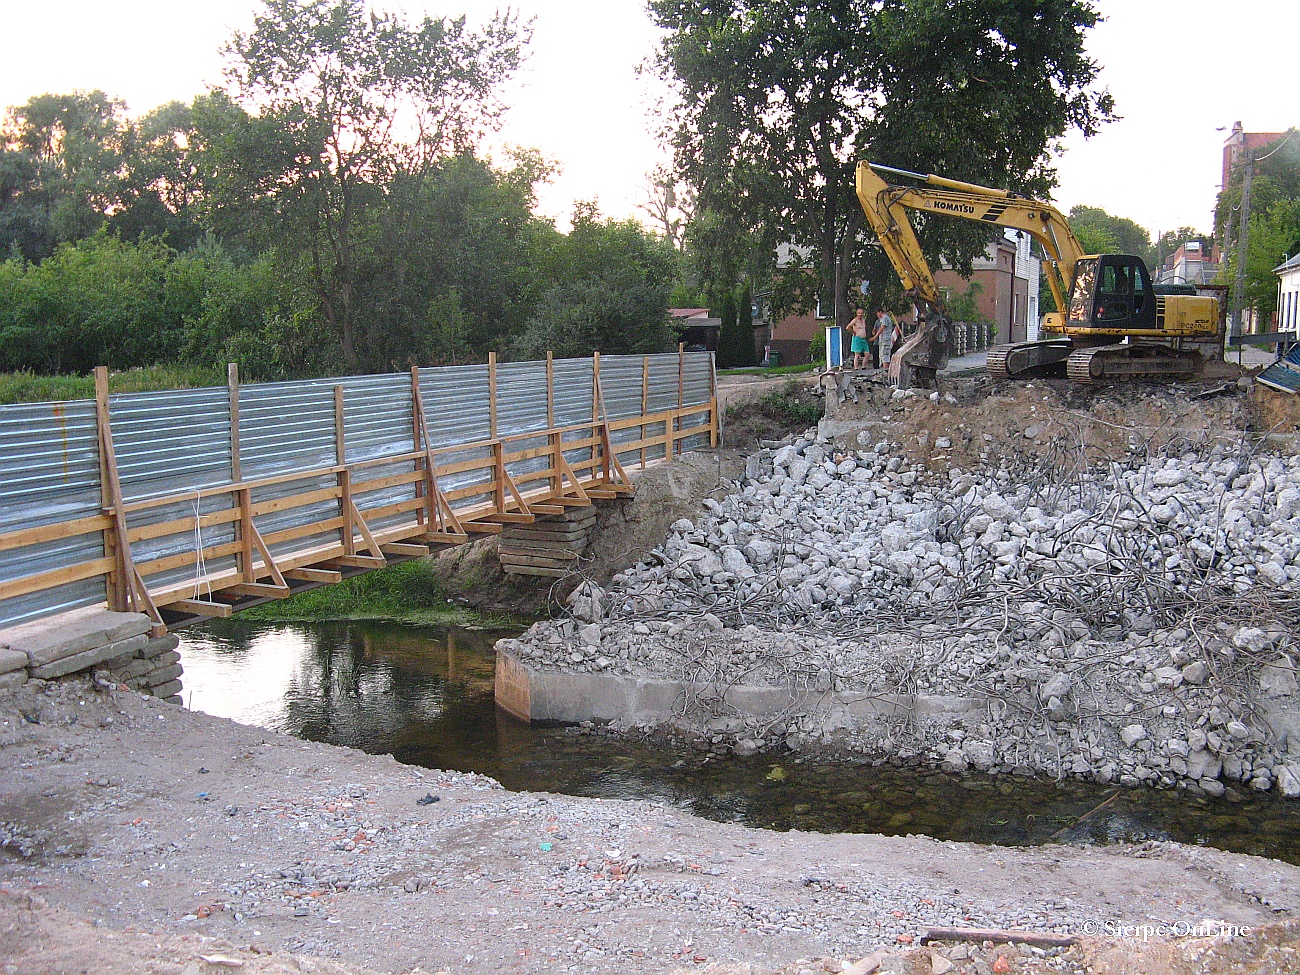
121 815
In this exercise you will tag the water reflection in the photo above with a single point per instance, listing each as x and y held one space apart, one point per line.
424 695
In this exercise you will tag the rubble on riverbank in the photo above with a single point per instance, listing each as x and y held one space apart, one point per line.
1133 621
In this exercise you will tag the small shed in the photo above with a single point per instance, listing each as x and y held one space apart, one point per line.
696 329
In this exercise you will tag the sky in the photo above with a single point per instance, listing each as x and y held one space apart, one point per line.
1178 69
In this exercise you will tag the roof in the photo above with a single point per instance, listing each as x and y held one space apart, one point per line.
1290 265
688 312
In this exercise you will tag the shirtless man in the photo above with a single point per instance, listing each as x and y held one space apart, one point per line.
860 346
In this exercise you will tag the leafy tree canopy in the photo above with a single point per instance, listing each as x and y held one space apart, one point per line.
778 99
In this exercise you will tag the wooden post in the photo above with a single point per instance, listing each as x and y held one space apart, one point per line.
645 400
555 439
118 587
232 381
243 496
241 499
492 395
595 413
713 399
423 514
681 399
499 476
345 477
550 390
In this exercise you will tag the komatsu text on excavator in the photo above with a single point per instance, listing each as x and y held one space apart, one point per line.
1114 325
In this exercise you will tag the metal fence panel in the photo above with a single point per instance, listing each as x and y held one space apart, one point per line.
620 385
573 397
456 404
521 398
663 383
49 473
171 443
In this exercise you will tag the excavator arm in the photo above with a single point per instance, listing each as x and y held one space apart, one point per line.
886 209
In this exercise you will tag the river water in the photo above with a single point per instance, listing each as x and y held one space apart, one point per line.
424 695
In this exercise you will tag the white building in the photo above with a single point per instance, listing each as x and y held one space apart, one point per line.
1288 296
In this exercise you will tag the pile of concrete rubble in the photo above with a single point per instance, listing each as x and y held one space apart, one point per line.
1134 622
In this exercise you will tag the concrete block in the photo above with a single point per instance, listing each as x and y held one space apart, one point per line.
174 699
167 659
11 660
89 658
160 645
15 678
137 668
164 675
69 634
532 694
170 689
117 663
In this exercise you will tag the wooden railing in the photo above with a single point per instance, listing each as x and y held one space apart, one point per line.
272 564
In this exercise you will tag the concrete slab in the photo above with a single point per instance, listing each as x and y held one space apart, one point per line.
11 660
160 645
68 634
134 669
531 694
89 658
165 675
168 690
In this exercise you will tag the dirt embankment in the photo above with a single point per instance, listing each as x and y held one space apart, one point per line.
139 837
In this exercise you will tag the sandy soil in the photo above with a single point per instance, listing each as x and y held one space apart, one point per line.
133 832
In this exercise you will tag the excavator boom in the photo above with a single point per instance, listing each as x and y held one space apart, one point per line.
886 209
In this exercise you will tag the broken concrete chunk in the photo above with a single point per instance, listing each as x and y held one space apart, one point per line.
1278 678
1132 734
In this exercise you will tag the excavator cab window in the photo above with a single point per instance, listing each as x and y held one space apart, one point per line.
1085 279
1124 295
1112 291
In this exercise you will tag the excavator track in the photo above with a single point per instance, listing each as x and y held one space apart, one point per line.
1138 361
1025 359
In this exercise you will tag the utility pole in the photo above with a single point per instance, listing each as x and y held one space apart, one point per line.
1243 242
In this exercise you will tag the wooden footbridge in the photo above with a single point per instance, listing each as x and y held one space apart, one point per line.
190 504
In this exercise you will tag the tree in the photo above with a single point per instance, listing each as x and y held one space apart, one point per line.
736 334
1274 237
159 187
1101 233
1274 196
359 98
668 205
779 98
612 279
62 165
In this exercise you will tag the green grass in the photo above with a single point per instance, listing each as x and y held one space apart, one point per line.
408 593
26 387
790 405
767 371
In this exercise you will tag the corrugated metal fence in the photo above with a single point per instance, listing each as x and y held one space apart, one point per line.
233 492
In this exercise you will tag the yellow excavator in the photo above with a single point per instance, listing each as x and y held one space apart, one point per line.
1114 326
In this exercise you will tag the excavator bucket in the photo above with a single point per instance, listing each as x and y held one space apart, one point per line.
922 355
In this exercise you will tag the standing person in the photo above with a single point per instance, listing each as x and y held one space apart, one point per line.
860 346
884 335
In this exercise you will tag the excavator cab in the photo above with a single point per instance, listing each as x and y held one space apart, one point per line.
1112 292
